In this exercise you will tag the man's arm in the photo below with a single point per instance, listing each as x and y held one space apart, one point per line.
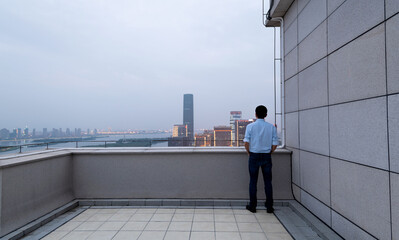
246 144
273 148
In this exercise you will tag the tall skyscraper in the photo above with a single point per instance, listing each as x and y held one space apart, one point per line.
234 115
188 114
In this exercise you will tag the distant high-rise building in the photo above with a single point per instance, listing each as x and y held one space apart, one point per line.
4 133
19 133
60 133
179 130
241 126
34 132
88 131
95 132
222 136
45 134
14 133
68 132
188 114
234 115
26 132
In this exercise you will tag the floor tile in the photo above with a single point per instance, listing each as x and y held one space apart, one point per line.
225 218
146 210
273 228
203 217
152 235
266 218
223 211
166 210
226 227
157 226
127 211
202 236
203 210
246 218
111 226
102 235
180 226
249 227
127 235
98 217
120 217
170 235
134 226
140 217
69 226
228 236
253 236
81 217
183 217
203 226
161 217
88 226
108 210
242 212
184 210
77 235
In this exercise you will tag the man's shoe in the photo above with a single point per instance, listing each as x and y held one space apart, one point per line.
251 209
270 210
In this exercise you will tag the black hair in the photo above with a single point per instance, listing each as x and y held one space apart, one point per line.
261 111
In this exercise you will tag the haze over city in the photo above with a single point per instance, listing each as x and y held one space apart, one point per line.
127 64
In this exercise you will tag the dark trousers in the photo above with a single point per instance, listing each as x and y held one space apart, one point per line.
263 161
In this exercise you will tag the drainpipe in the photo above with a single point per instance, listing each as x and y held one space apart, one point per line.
282 83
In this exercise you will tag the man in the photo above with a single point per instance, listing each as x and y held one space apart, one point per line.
260 141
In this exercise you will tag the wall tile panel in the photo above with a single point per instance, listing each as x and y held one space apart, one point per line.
352 19
296 177
333 4
314 130
361 194
393 123
392 28
313 86
392 7
291 94
291 64
347 229
358 132
315 175
291 15
302 4
357 70
291 121
395 204
311 16
316 207
290 38
313 47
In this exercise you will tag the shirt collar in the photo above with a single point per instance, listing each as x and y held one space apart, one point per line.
260 120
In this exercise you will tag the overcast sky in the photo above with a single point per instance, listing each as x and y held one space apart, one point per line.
125 64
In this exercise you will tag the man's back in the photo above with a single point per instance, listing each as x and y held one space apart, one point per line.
261 135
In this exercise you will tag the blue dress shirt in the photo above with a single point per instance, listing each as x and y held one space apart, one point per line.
261 135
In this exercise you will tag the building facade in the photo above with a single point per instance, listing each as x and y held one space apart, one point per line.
341 82
241 126
222 136
234 115
179 130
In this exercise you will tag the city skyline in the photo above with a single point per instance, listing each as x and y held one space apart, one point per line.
124 64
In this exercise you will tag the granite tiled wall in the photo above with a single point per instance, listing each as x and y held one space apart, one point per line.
342 68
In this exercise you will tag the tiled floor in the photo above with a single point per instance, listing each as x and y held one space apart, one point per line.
171 224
